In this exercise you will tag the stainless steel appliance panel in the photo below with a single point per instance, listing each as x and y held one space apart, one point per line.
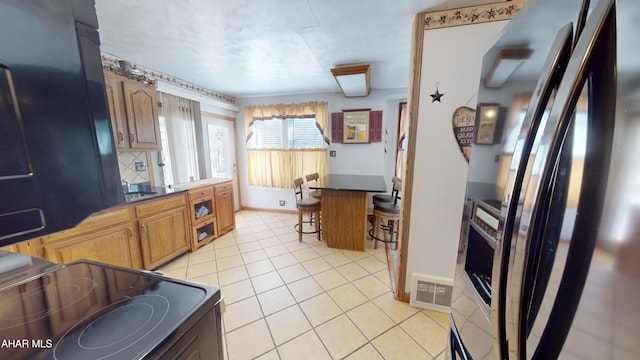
589 311
493 167
567 238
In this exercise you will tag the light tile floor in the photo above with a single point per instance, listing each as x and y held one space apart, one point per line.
302 300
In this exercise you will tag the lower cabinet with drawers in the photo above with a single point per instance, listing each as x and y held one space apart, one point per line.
144 234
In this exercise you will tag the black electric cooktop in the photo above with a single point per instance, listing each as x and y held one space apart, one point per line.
87 310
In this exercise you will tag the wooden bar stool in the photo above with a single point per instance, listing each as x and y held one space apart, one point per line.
313 178
380 198
316 194
309 206
388 212
384 198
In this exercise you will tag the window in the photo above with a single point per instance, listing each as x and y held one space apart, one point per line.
178 135
267 134
304 134
280 150
285 141
219 146
291 133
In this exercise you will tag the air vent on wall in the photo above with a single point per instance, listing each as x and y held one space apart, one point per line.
431 292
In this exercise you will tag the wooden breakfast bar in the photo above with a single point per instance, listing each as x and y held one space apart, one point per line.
345 205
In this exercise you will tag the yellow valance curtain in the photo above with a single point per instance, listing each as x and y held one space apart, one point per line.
284 165
318 109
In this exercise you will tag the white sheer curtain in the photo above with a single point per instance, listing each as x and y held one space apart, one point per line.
179 144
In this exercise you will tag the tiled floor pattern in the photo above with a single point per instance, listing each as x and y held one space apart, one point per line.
302 300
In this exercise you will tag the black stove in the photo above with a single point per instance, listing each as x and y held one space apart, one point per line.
87 310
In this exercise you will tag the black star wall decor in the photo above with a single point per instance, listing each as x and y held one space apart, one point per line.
437 95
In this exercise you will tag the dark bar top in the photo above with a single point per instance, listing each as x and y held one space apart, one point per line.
368 183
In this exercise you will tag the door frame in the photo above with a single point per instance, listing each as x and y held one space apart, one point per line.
209 116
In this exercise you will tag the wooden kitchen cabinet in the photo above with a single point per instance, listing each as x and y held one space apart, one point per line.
142 116
31 247
163 225
225 210
110 246
106 236
202 213
142 235
113 88
134 113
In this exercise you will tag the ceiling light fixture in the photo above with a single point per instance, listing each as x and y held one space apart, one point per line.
352 79
506 63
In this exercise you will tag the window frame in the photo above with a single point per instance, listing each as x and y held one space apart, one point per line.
285 139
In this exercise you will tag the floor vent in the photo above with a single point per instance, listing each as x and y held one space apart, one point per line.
431 292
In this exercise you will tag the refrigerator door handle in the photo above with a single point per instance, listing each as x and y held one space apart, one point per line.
582 18
457 350
552 71
592 63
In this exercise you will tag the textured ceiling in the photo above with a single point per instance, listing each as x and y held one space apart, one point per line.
265 47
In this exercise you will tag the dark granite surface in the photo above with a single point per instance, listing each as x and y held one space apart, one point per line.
149 192
368 183
144 191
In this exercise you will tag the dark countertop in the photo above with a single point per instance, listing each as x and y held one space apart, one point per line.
368 183
150 192
193 184
140 192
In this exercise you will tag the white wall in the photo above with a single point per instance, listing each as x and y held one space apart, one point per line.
452 57
360 159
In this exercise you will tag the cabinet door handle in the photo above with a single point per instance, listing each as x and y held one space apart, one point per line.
120 136
143 228
130 232
131 138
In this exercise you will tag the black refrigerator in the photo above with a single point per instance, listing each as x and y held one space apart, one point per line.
58 161
548 265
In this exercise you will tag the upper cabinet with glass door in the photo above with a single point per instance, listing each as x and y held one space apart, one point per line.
134 113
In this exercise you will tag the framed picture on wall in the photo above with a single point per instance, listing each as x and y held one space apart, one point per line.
487 123
356 127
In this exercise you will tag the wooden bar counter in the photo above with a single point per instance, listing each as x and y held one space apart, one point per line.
344 208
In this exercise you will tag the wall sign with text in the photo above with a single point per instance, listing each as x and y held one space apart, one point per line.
463 122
